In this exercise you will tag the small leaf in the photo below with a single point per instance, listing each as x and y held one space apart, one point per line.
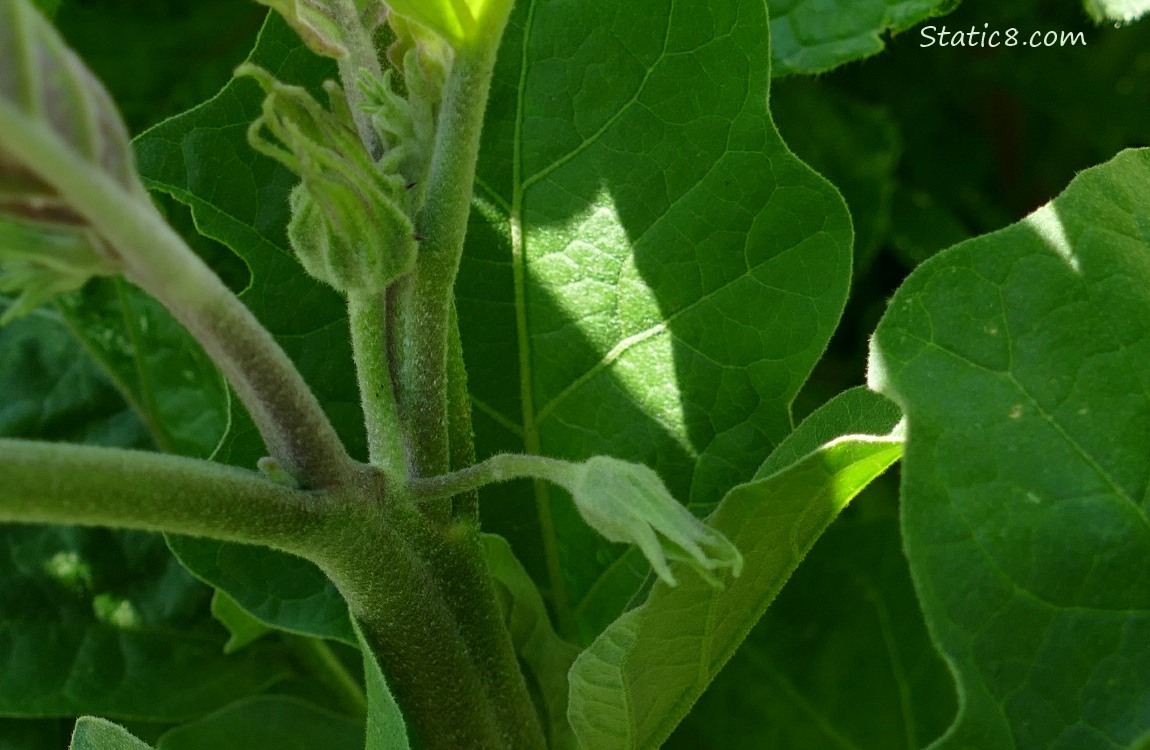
545 656
98 734
460 22
634 684
386 729
244 628
280 590
267 721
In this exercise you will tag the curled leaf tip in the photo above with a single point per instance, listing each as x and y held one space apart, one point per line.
629 503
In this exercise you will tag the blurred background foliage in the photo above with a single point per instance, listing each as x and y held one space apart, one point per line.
929 147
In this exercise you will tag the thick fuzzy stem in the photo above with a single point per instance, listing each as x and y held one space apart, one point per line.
456 679
93 486
425 295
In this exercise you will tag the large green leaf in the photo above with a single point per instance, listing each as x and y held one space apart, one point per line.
97 734
267 722
842 657
647 261
644 672
241 201
1022 360
813 36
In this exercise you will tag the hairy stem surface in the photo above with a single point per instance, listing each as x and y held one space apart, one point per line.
368 317
426 294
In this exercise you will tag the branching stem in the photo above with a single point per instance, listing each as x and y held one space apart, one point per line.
294 427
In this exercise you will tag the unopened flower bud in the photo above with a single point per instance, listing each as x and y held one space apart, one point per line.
629 503
349 228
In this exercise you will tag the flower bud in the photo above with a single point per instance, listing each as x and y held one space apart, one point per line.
629 503
348 226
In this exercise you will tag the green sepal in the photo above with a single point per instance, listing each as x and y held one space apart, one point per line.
39 261
348 226
629 503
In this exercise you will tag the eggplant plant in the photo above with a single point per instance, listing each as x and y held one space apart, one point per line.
481 428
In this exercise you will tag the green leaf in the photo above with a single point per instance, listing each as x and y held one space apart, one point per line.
101 621
386 729
93 733
634 684
1021 360
267 722
813 36
841 659
155 363
658 267
279 590
244 628
856 146
1123 11
53 390
545 656
244 205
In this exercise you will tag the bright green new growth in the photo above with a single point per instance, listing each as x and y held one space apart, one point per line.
463 23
